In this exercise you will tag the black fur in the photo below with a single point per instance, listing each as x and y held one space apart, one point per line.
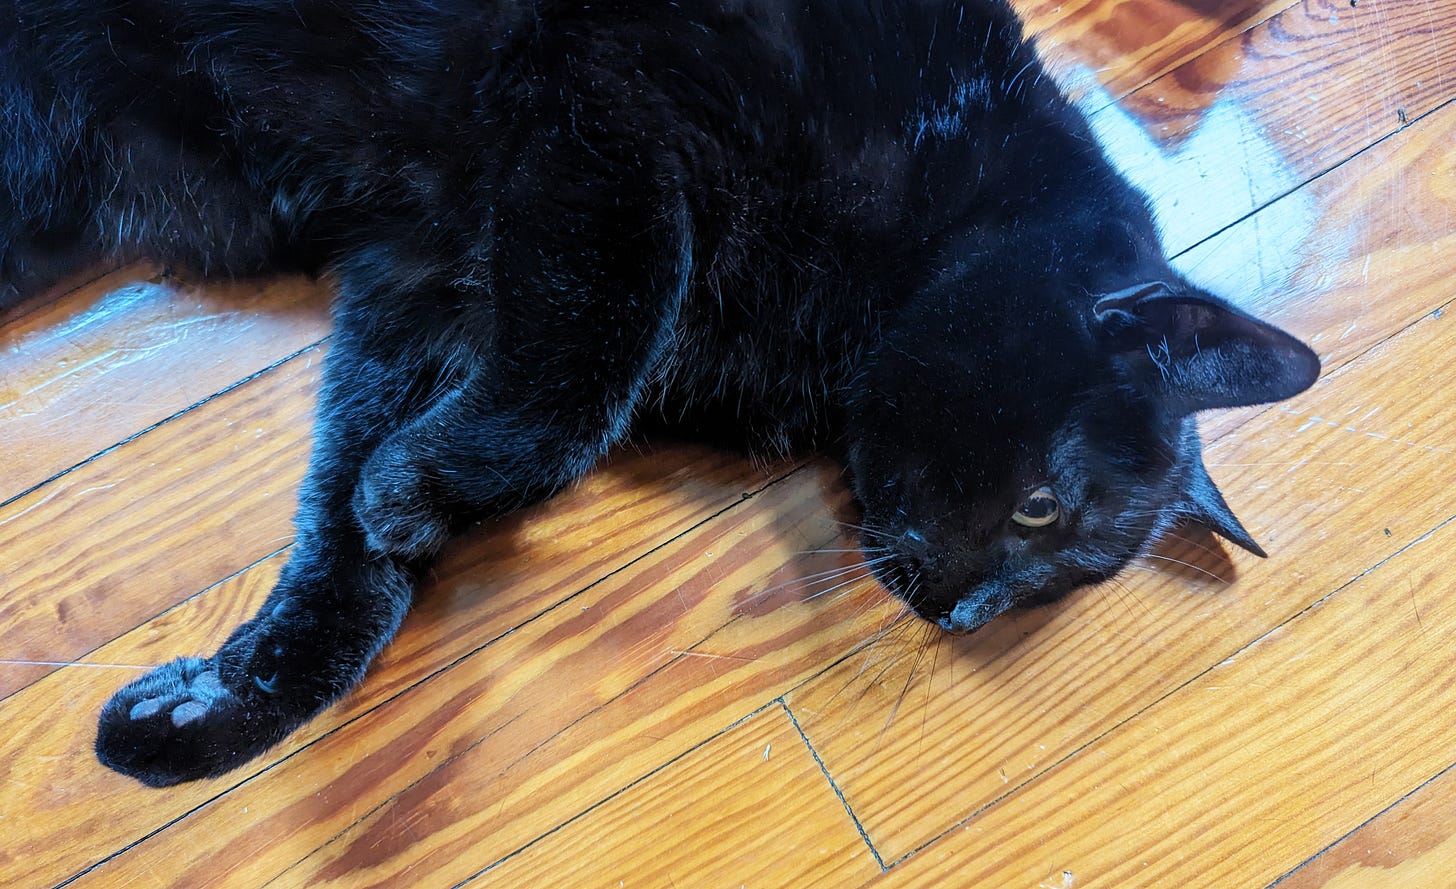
872 227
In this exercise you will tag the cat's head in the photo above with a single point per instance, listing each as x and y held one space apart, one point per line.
1006 457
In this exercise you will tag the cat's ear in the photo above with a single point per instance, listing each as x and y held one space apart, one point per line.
1203 502
1198 352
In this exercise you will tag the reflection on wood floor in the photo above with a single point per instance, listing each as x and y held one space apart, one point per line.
655 680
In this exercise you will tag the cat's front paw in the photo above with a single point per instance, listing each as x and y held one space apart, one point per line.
180 722
397 510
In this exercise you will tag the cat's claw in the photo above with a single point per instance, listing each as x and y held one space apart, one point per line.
180 722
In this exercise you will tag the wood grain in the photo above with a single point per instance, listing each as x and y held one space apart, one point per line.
489 586
749 808
1281 746
1358 254
1336 481
176 512
85 370
1413 843
1279 105
1343 310
62 812
1129 43
520 736
581 668
458 805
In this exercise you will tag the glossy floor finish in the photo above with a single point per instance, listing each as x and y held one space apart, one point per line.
674 675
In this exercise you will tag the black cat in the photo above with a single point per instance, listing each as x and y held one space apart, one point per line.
871 227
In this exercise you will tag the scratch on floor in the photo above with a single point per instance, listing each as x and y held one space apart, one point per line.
1312 421
724 657
39 503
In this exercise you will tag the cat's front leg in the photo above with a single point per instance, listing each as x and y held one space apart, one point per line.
337 601
580 328
200 717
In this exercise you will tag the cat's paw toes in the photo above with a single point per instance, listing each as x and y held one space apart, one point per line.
398 516
180 722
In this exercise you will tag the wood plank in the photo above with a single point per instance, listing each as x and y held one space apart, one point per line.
67 282
1413 843
63 812
83 371
748 808
101 549
1357 254
1181 146
473 811
1126 44
529 776
1231 780
489 584
1335 481
1253 118
506 741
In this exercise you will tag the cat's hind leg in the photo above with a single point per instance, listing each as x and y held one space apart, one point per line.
337 602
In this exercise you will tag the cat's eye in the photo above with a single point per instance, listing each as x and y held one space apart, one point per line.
1039 510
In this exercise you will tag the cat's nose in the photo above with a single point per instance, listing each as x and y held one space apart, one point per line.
950 626
968 616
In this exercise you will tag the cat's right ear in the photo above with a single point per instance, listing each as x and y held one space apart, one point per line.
1197 352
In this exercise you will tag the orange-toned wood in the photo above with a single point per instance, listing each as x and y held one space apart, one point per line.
1413 843
1343 310
61 811
487 586
83 371
1256 117
1293 499
1256 759
1358 253
436 804
1338 480
1127 44
749 808
544 722
101 549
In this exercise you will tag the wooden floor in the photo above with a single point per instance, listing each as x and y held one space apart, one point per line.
636 686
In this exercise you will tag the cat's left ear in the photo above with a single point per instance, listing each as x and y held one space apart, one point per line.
1203 501
1198 352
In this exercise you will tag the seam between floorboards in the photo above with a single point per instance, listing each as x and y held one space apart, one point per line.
1229 36
164 421
1362 825
833 785
1175 690
269 368
743 498
77 660
616 793
1316 176
587 715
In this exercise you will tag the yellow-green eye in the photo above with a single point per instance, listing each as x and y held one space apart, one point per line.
1039 510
